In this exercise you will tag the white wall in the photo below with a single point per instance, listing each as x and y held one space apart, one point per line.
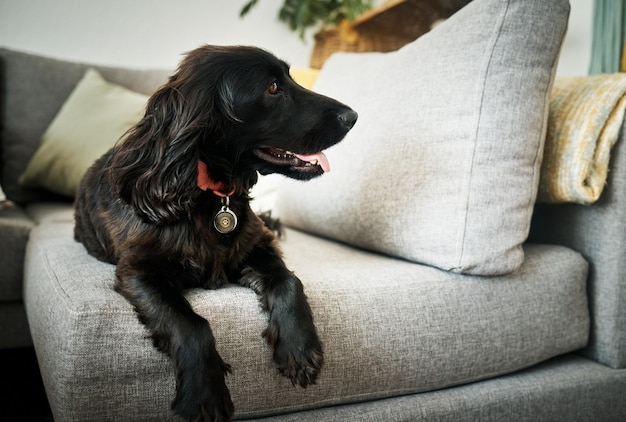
154 33
142 33
576 50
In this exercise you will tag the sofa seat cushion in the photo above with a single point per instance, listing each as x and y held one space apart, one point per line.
389 326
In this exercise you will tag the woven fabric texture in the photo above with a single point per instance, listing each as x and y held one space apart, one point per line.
586 116
390 327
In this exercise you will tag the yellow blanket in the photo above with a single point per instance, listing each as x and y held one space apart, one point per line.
304 76
586 114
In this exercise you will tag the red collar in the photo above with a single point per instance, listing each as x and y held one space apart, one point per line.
205 182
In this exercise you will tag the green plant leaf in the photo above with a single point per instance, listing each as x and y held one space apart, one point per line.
299 15
247 7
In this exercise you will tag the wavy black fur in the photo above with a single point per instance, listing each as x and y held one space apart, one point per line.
139 207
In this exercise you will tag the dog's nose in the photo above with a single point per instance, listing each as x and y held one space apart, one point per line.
348 118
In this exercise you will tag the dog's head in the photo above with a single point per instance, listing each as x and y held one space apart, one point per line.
268 122
274 125
237 110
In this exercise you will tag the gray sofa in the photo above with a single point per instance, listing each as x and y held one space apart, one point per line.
403 341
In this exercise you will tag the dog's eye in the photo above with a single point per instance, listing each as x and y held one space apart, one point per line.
273 89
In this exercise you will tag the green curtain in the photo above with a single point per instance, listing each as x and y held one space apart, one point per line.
609 32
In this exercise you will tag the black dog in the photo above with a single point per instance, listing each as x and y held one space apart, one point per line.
169 206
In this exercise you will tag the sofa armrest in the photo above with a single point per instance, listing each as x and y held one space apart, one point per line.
15 226
598 232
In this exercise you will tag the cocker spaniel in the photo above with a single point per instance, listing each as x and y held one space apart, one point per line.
169 205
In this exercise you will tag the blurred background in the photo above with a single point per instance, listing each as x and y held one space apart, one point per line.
154 33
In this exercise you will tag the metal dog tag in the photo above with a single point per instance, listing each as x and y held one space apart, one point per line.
225 220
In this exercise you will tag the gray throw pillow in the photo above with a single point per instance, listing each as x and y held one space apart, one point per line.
442 167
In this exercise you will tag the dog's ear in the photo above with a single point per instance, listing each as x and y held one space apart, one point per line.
155 168
225 99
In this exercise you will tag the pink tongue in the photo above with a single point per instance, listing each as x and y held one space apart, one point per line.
320 157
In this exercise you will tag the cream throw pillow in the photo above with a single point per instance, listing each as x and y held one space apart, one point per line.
92 119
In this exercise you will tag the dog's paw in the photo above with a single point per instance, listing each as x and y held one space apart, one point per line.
303 367
204 397
252 279
297 352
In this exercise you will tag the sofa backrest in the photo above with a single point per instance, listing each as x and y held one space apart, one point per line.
32 90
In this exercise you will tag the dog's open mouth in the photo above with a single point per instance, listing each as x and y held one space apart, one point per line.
300 162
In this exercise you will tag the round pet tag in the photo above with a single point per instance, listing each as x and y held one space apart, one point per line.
225 221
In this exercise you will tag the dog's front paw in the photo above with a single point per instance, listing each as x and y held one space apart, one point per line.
204 397
297 352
